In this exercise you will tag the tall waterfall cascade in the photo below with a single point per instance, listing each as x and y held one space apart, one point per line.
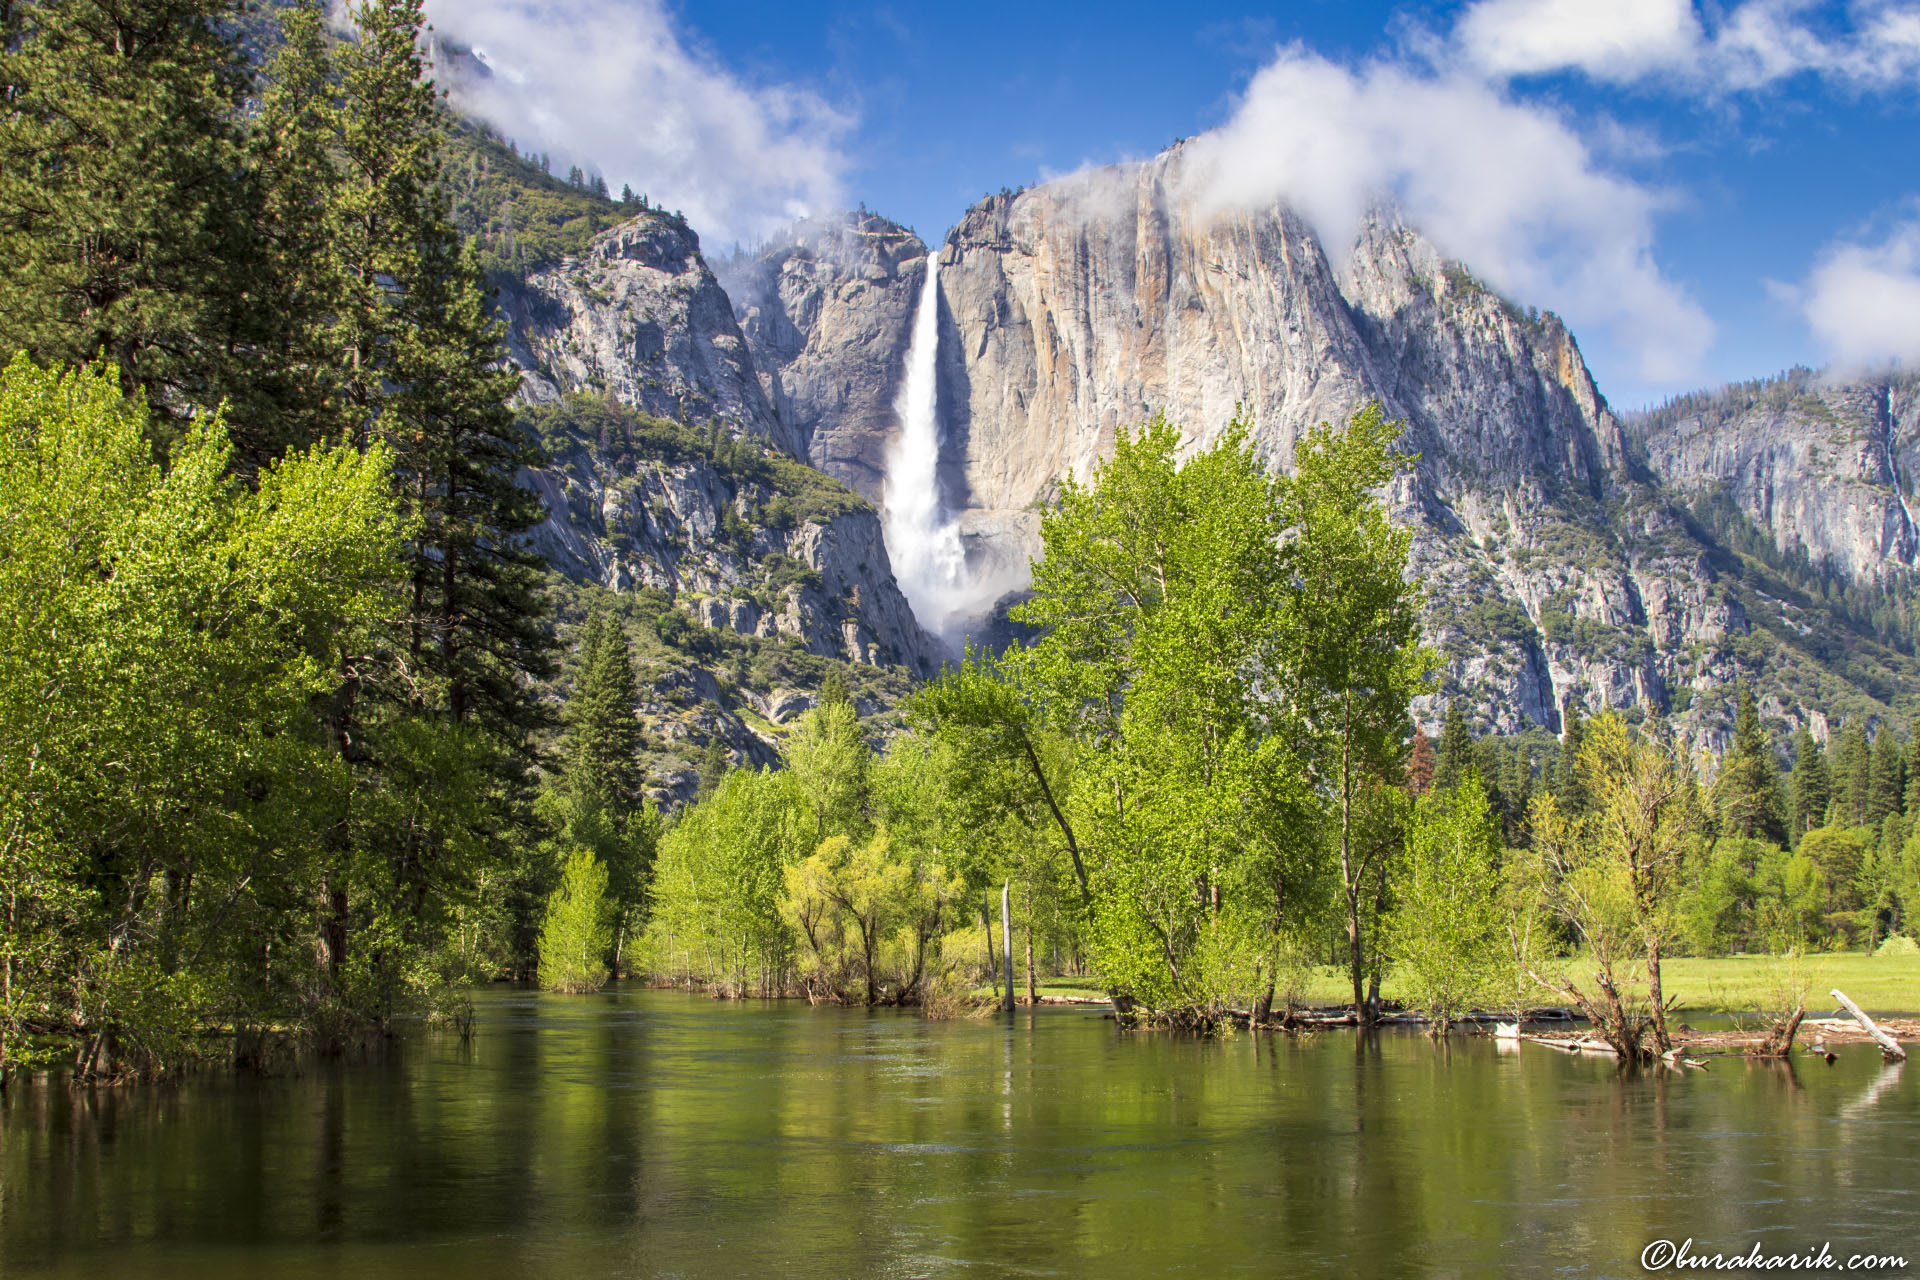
923 539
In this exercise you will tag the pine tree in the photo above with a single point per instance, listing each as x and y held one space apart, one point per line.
1455 754
1910 802
603 738
1746 795
126 212
1887 784
834 690
291 150
429 378
1568 786
1812 788
714 763
1420 764
1852 768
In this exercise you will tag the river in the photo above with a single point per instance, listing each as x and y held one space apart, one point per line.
657 1134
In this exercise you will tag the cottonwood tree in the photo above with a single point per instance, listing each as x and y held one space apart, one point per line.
1448 929
1353 626
164 634
1612 873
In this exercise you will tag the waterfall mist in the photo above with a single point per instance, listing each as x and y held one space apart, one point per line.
923 540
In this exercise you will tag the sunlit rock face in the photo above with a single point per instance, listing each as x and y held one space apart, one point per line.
1562 560
827 311
640 317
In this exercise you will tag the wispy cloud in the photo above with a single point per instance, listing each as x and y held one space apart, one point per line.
1862 299
1506 186
1876 45
613 86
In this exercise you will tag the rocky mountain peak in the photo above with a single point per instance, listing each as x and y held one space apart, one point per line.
826 310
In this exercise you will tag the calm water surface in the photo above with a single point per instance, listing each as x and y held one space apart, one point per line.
642 1133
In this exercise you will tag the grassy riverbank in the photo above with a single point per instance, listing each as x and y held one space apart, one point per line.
1726 984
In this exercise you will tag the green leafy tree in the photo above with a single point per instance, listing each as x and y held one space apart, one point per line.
577 933
828 758
164 637
1355 619
1447 931
1161 597
714 914
1613 873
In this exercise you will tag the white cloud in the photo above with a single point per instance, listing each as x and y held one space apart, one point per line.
1608 39
1503 186
1862 301
1750 45
610 85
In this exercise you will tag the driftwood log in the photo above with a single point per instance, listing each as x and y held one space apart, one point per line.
1889 1047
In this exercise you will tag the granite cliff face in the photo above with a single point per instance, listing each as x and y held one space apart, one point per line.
674 481
1825 468
1562 562
826 312
640 317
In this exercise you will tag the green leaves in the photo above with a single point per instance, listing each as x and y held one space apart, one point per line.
162 637
577 932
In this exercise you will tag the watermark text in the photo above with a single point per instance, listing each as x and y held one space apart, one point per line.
1669 1255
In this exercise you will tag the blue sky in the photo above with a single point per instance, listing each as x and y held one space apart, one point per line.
1706 194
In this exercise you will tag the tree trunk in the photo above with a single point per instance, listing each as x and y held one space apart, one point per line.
1006 936
1661 1041
1889 1047
986 923
1033 994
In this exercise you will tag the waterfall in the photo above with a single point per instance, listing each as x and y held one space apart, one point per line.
922 540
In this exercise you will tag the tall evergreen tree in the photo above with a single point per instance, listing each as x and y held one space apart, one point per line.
603 739
126 212
1811 786
428 376
1455 753
1569 788
1852 768
1746 795
1887 780
295 272
1910 803
1420 764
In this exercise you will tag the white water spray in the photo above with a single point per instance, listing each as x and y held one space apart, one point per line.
922 540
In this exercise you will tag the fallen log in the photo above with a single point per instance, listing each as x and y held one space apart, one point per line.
1889 1047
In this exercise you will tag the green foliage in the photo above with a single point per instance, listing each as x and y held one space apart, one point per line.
853 908
621 438
167 634
358 791
126 213
577 933
1811 786
521 218
1613 874
717 887
1746 794
1447 931
1454 757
